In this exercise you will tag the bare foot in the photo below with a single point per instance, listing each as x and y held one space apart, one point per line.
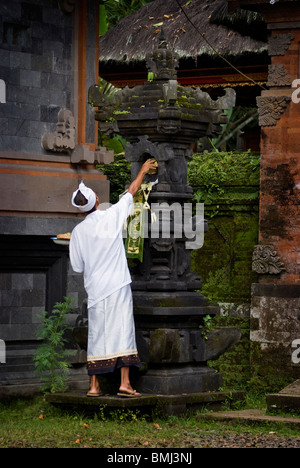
94 387
94 392
125 387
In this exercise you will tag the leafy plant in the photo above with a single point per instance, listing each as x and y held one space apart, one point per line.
114 142
255 163
118 173
50 358
206 327
108 89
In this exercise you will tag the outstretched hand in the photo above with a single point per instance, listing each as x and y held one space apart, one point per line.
149 165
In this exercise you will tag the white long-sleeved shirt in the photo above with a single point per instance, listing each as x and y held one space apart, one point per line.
97 250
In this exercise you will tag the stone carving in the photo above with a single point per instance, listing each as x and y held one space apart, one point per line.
266 260
278 76
163 62
64 139
279 44
224 102
109 106
271 108
83 154
103 155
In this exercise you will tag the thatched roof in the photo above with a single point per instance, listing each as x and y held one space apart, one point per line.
137 35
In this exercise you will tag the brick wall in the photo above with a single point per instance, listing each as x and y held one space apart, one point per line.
275 316
280 176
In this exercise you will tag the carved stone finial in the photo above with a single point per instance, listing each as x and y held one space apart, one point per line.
163 62
64 139
266 260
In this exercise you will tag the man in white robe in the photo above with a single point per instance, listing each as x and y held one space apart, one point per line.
97 250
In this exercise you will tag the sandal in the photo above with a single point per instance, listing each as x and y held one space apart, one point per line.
94 395
133 394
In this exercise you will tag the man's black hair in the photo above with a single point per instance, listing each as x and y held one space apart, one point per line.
80 199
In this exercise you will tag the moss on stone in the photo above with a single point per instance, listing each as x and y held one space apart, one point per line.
228 185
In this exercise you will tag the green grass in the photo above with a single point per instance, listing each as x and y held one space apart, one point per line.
36 423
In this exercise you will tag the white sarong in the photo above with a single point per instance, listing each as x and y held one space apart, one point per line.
111 336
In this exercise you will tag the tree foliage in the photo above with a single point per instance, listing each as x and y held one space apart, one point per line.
116 10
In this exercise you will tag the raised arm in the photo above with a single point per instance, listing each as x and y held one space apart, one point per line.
149 165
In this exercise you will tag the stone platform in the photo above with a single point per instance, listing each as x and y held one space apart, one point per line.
287 399
169 404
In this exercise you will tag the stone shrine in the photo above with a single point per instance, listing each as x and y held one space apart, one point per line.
162 120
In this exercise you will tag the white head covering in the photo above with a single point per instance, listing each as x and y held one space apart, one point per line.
89 194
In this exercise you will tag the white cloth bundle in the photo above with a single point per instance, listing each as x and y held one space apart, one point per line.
89 194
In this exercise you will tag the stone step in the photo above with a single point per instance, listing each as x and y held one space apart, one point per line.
286 399
170 404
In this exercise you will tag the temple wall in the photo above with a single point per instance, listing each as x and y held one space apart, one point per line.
48 144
